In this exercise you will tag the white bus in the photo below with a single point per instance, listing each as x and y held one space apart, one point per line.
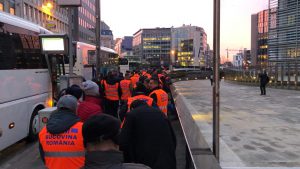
85 60
25 86
124 65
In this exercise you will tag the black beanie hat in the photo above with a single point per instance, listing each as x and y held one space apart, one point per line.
101 127
140 88
75 91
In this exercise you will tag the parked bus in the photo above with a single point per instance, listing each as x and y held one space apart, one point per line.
123 65
25 86
85 60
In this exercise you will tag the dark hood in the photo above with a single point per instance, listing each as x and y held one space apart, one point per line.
154 89
112 81
61 121
103 159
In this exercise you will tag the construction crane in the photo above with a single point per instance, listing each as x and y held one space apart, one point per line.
233 50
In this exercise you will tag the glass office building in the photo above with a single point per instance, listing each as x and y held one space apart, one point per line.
284 31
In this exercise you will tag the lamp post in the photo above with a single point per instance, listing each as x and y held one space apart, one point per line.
98 38
216 85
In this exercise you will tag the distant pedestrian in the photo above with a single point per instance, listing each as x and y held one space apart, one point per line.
61 141
264 80
147 137
211 78
92 103
101 139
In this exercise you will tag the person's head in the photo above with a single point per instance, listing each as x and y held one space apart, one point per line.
265 71
101 132
140 88
137 103
127 75
67 102
90 88
154 82
147 83
75 91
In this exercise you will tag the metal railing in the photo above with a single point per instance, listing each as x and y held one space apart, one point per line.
281 75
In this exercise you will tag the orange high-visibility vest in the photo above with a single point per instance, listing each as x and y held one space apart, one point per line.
111 91
65 150
162 100
147 99
134 79
125 86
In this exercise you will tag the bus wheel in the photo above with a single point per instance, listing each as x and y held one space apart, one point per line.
33 126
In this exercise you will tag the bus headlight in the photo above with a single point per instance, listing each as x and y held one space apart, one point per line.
49 102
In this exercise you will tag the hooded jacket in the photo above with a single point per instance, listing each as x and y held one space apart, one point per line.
89 107
147 137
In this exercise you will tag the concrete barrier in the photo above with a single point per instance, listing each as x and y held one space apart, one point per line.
201 154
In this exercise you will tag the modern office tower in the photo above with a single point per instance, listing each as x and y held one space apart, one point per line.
153 46
259 39
85 23
189 45
284 32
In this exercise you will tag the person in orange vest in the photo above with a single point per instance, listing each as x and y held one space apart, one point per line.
145 73
159 95
135 79
139 94
112 93
126 87
60 141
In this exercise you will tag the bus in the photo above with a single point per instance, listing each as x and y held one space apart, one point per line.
123 65
25 86
85 60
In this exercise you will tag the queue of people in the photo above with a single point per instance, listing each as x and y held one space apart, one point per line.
116 122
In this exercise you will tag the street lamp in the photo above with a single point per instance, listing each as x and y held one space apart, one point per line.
47 8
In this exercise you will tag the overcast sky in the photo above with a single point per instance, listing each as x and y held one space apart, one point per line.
125 17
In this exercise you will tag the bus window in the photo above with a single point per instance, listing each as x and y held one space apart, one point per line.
19 51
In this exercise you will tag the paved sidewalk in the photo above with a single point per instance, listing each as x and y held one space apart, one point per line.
256 131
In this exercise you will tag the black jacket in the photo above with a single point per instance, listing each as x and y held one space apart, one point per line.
108 160
148 138
124 107
59 122
264 79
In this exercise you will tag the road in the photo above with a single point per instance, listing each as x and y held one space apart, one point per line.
21 155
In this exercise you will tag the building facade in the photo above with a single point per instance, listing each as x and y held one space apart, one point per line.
247 59
85 22
44 13
284 33
254 33
123 45
238 60
107 37
189 46
153 46
209 54
259 39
